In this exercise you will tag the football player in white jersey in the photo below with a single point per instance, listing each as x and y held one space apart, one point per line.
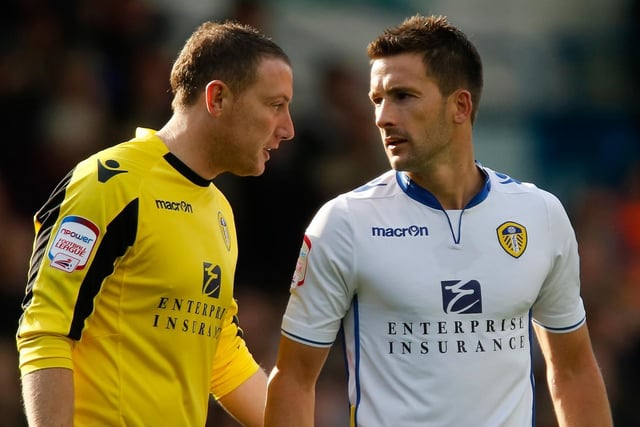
440 271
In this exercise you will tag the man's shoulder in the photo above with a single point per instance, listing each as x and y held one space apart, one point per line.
504 183
382 186
117 166
350 205
527 193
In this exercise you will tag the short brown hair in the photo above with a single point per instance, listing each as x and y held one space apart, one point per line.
449 56
227 51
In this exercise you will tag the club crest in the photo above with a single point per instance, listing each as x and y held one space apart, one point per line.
513 238
224 230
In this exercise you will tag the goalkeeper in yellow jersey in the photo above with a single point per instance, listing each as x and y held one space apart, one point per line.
129 317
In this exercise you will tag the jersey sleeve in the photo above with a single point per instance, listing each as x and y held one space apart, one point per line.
322 287
65 274
233 363
559 306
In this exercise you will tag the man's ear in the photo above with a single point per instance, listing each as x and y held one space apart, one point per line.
216 95
462 104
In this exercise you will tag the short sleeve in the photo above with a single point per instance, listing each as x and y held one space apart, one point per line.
559 306
233 364
322 287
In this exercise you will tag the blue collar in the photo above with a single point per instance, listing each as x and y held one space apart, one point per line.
422 195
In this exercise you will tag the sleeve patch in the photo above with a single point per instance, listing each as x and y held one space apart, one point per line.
301 265
73 243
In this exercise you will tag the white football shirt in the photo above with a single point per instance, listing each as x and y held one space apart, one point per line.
437 305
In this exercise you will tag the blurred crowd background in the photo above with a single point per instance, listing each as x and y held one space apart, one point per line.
560 108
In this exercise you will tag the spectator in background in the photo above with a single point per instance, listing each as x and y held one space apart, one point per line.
17 235
340 132
10 407
626 310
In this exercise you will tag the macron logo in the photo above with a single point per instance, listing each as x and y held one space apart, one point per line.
108 170
410 231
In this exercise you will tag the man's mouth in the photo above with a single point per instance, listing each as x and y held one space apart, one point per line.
392 141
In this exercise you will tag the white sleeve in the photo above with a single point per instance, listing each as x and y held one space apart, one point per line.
559 306
322 285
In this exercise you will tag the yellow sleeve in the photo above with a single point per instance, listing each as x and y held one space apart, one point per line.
44 351
59 295
233 364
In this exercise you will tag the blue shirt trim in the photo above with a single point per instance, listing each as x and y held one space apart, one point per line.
299 338
424 196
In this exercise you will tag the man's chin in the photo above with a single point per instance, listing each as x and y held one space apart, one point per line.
397 163
256 171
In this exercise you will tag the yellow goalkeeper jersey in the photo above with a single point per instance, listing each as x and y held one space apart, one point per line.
131 286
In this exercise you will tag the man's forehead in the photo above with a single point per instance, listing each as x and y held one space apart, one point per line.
397 69
274 78
397 63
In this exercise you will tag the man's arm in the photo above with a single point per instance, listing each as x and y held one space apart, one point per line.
246 403
48 397
292 383
575 382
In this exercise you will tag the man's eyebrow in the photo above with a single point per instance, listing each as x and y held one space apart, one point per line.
396 89
279 98
391 91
